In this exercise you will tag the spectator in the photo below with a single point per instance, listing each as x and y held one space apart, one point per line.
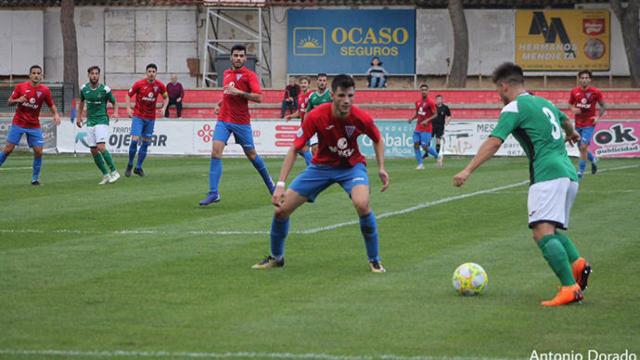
290 101
176 94
377 74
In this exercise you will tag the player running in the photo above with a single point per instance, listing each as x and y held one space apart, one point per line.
320 96
241 85
583 100
303 98
338 160
29 97
425 113
143 116
537 125
96 96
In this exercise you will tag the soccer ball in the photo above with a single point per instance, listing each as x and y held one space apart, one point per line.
470 279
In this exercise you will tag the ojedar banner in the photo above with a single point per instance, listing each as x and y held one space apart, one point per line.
560 40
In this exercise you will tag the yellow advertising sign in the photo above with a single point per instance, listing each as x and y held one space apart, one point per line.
560 40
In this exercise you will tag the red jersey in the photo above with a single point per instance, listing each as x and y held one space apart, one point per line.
337 138
28 113
425 109
235 108
303 100
146 97
586 101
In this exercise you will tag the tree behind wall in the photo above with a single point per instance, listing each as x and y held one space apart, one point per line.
70 46
459 67
628 17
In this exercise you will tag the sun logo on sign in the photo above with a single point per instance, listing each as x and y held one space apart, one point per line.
309 43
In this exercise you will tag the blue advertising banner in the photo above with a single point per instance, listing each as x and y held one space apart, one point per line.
345 41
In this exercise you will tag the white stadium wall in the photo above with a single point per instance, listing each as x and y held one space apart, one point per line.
22 41
122 40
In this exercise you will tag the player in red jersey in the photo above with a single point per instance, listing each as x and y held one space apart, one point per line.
143 116
337 160
241 85
29 97
425 113
583 100
303 99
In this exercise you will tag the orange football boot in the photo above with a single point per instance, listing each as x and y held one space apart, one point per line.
566 295
581 271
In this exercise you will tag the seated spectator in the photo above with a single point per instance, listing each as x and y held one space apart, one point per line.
377 74
290 101
176 94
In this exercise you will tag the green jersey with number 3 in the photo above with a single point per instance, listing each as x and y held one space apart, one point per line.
96 101
536 123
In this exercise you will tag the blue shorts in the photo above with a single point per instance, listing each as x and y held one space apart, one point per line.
142 127
424 138
34 136
315 178
242 133
586 133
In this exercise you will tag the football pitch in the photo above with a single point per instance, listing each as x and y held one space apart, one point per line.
137 269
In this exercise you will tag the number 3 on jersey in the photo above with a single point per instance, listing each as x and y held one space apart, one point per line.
555 131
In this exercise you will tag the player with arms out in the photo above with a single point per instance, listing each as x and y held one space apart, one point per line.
29 97
96 96
319 97
425 113
241 85
143 116
303 97
338 160
583 101
537 124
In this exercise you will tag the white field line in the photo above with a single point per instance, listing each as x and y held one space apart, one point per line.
16 168
225 355
298 232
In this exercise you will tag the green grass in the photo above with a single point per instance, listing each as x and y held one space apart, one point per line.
77 272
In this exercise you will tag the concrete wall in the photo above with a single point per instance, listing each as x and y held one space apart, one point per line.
21 42
122 41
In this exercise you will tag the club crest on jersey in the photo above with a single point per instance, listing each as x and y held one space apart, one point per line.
38 93
349 129
155 89
238 77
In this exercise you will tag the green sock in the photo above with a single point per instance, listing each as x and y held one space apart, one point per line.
97 158
557 258
569 247
107 157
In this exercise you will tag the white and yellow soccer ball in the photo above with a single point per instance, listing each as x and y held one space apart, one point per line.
470 279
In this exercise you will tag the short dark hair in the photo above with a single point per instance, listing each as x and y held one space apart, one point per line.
342 81
438 96
35 67
153 66
239 47
94 67
585 72
322 74
424 86
508 72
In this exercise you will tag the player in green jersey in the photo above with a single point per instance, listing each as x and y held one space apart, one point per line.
321 96
538 126
96 96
